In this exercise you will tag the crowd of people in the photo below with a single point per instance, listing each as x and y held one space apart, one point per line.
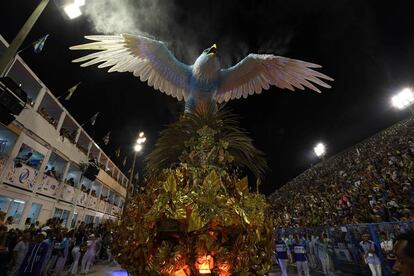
315 250
52 248
370 182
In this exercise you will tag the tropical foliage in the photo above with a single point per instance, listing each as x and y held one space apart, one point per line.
198 207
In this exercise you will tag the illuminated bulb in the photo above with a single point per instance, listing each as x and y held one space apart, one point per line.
141 140
319 149
403 99
72 10
138 148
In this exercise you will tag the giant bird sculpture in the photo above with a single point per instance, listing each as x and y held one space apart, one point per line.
204 82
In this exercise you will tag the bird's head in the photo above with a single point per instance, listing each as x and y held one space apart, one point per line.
207 64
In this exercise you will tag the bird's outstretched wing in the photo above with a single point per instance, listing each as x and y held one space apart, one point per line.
148 59
257 72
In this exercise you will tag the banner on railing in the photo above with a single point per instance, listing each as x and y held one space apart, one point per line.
49 186
22 176
101 206
68 193
92 202
82 198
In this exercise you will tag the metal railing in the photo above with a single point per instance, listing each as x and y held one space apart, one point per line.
344 247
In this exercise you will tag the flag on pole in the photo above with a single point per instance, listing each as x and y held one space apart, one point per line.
39 44
93 119
118 153
125 160
71 91
106 138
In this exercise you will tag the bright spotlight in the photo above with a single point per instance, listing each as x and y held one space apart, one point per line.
141 134
72 10
138 148
79 3
403 99
319 149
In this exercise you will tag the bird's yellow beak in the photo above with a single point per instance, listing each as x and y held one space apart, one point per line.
212 50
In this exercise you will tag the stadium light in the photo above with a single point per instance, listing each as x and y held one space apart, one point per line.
138 148
73 9
403 99
320 149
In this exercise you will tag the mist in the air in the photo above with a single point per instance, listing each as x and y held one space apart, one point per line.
152 18
189 29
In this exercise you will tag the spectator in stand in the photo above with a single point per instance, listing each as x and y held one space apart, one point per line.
27 159
71 182
52 172
372 182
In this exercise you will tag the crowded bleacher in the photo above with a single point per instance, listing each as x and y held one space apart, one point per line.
370 182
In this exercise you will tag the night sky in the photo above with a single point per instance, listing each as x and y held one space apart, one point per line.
366 46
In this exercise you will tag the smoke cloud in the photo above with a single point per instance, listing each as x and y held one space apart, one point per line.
152 18
191 28
132 16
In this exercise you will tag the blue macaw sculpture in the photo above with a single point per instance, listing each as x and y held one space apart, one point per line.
204 82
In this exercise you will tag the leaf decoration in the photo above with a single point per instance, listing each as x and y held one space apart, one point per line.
170 184
195 221
212 182
242 186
